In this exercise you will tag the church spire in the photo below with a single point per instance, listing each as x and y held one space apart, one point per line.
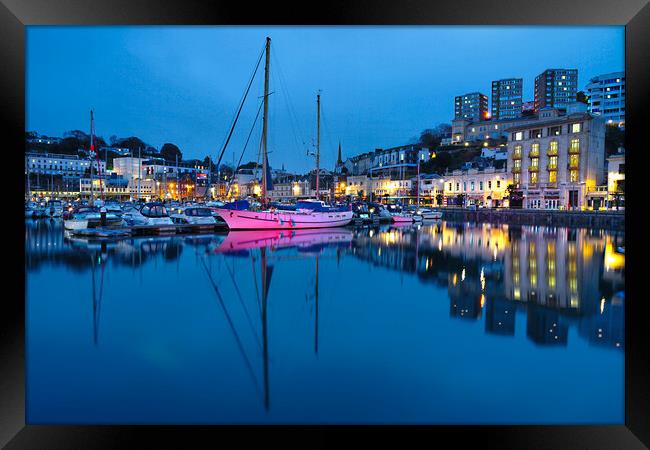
339 161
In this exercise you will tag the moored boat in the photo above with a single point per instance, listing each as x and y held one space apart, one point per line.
199 217
83 217
239 216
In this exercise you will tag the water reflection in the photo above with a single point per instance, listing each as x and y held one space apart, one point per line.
553 284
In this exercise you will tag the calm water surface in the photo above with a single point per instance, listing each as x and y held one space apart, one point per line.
443 323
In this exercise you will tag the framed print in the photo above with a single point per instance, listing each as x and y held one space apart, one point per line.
377 220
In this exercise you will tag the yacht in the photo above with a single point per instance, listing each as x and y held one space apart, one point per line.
241 215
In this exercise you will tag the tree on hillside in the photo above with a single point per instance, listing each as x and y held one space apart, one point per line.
78 134
249 165
431 137
170 152
208 163
582 97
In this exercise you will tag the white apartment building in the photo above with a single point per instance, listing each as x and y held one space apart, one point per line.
144 188
555 160
131 167
289 191
485 187
607 97
57 164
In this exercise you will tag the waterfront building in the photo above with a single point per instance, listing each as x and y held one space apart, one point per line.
507 98
60 164
40 139
555 88
616 174
472 106
610 195
483 130
606 95
119 188
485 187
557 159
359 164
155 168
499 153
431 185
293 190
398 162
357 186
386 187
128 167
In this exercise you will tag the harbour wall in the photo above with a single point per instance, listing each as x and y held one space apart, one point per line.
611 220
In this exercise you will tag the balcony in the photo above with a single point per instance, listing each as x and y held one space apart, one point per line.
551 152
533 169
533 153
516 170
574 150
573 165
516 154
551 166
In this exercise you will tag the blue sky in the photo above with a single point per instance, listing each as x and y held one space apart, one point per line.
380 86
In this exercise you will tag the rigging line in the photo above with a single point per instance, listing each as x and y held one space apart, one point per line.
233 119
241 300
290 106
245 145
232 327
241 105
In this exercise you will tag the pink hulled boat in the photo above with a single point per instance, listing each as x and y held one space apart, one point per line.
306 214
402 218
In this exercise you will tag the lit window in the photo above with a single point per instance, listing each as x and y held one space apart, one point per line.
576 127
519 135
573 176
575 145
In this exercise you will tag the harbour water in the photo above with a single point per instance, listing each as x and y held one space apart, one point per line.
438 323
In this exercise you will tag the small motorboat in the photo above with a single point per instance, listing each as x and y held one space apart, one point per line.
402 218
199 216
83 217
428 214
149 214
54 208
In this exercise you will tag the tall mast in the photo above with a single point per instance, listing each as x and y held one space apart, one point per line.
96 152
139 169
317 142
92 148
418 181
265 117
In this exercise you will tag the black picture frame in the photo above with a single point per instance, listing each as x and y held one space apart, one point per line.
16 14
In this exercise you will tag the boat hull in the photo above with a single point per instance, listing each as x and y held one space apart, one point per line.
402 219
282 220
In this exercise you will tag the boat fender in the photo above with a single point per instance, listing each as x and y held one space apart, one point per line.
293 224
